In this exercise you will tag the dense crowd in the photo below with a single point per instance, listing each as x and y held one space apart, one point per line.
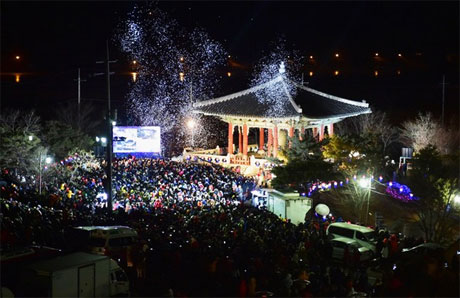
202 238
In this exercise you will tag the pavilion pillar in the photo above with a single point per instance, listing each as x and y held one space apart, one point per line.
330 129
315 132
321 132
291 135
245 139
240 140
302 133
275 141
261 138
230 138
270 142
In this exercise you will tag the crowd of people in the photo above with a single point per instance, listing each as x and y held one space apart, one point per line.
200 237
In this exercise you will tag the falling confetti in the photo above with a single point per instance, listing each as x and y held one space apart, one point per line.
175 68
268 68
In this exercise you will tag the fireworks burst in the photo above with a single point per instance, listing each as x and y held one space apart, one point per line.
268 68
175 68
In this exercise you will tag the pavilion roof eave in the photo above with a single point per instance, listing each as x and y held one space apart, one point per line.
333 97
222 116
336 117
340 116
237 94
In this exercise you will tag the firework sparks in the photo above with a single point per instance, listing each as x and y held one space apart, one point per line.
268 68
175 68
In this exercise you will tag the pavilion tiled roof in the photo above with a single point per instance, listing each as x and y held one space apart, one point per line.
307 102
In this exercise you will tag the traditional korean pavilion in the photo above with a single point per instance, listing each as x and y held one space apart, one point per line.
293 112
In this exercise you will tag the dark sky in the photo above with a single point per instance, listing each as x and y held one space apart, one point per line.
55 38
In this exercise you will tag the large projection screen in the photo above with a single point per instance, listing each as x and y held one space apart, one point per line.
136 139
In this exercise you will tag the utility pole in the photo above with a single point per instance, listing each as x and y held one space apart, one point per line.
443 93
109 132
79 80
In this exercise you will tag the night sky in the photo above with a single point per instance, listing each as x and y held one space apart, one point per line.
53 39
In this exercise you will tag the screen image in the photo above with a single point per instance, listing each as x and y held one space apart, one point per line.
133 139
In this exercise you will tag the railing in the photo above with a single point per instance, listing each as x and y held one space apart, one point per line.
226 160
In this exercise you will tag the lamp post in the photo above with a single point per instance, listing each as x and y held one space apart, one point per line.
365 183
191 124
48 160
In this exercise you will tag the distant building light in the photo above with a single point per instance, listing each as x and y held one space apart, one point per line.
181 76
337 55
17 57
181 59
31 138
311 73
134 76
376 73
376 54
134 62
229 56
311 57
398 72
17 77
399 55
336 73
229 74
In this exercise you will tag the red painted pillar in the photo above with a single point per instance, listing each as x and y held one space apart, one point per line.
330 129
315 132
261 138
270 141
321 132
245 139
275 141
302 133
230 138
240 140
291 135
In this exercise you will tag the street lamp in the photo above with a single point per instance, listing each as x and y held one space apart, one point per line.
365 183
48 160
191 125
457 199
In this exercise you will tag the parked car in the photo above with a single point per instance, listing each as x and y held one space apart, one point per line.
366 237
341 245
114 241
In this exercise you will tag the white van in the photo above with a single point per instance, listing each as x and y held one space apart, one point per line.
113 241
364 236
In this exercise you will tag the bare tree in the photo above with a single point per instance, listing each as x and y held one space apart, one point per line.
89 118
376 124
426 130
